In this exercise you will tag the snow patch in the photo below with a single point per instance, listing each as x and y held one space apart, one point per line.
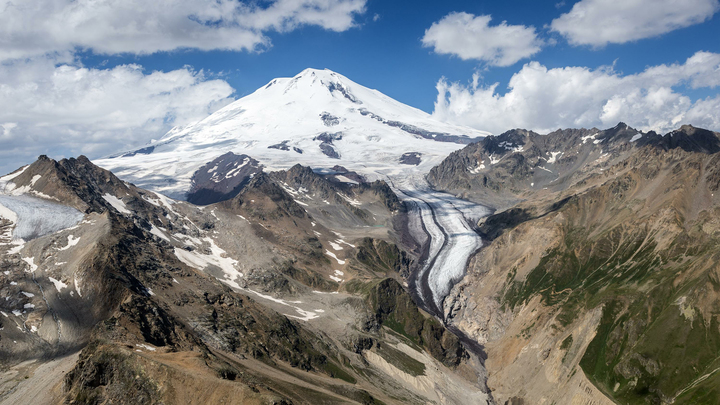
234 172
344 179
585 138
31 262
11 176
191 241
352 201
72 241
19 244
146 347
77 285
167 203
331 254
480 166
340 241
59 285
304 315
116 203
218 258
553 156
636 137
157 232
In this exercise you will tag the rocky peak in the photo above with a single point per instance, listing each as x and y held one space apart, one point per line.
74 182
691 139
222 178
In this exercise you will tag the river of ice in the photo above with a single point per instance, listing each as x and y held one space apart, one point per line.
447 222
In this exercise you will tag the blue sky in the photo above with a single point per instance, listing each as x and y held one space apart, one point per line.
388 54
118 76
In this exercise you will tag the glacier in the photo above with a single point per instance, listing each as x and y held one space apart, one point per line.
35 217
446 221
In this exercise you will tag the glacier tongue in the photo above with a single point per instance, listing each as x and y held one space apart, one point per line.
445 221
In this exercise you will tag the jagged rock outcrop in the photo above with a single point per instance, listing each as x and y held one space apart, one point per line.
222 178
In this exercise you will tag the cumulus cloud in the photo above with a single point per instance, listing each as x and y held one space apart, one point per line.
600 22
50 103
470 37
545 99
29 28
64 109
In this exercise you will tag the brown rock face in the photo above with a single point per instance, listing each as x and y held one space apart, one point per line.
598 283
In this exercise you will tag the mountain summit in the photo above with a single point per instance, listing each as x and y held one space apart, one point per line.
318 118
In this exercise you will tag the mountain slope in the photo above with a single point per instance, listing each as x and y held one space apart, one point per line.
604 273
318 118
243 301
501 170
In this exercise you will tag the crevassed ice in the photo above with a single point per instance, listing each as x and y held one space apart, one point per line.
37 217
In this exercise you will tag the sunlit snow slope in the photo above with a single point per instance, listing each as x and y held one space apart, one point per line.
318 118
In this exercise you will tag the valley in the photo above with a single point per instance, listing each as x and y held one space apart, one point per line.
317 242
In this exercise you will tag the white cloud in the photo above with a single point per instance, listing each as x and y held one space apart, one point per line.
30 28
545 99
51 104
67 110
471 37
599 22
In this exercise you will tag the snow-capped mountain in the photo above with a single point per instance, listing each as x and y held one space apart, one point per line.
317 118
